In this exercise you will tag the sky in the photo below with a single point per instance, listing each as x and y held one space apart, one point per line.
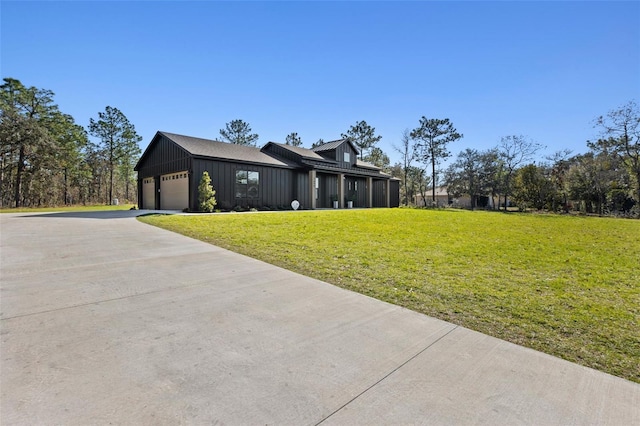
544 70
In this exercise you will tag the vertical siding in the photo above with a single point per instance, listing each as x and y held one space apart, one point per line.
379 193
282 152
140 193
328 187
355 187
302 187
165 157
276 185
395 193
340 151
361 194
329 155
338 155
157 192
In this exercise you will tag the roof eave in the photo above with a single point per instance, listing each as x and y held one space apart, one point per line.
239 161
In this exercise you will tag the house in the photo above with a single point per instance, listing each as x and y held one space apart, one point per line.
270 177
444 199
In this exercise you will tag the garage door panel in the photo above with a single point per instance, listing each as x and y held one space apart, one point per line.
148 193
174 191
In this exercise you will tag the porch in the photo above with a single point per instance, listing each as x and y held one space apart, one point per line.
362 191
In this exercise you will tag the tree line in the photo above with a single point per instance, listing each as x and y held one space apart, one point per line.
605 180
47 159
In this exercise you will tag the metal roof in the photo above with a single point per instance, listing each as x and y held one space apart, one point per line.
302 152
223 150
365 165
329 146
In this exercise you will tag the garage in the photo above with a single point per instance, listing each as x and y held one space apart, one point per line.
148 193
174 191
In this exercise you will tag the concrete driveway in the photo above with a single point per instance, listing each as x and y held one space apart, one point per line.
106 320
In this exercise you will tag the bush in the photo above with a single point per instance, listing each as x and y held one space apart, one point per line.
206 194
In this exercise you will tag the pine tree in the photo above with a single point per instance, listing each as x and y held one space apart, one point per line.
239 132
293 139
363 136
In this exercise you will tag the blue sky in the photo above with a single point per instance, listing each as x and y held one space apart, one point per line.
541 69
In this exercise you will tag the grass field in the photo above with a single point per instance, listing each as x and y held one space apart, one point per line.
99 207
567 286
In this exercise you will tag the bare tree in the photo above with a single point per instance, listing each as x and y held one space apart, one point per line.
622 125
560 165
408 153
514 151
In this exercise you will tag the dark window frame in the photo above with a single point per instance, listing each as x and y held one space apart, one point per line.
247 184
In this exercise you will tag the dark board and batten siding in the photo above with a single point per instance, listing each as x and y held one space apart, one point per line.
328 187
165 157
394 199
283 153
301 192
337 155
356 190
276 188
340 151
379 193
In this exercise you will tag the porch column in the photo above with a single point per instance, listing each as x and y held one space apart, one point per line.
369 192
341 190
388 184
312 189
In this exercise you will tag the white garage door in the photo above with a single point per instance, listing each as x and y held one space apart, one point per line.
174 191
148 193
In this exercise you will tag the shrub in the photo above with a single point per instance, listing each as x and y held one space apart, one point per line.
206 194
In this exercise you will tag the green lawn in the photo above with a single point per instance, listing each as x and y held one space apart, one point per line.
567 286
99 207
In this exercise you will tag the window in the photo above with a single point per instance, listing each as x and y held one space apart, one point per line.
347 157
247 184
317 187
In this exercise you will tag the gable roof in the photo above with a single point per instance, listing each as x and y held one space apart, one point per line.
300 158
331 145
199 147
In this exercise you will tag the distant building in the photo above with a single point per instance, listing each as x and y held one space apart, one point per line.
444 199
